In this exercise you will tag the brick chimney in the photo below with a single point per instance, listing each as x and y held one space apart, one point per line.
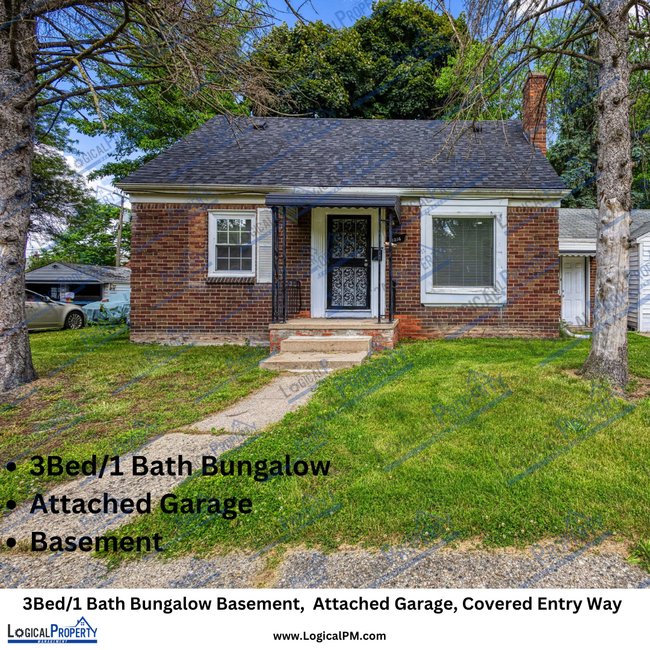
534 110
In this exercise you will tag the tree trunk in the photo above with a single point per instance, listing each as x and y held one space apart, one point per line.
17 121
608 356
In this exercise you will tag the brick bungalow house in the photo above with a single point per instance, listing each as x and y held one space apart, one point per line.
277 227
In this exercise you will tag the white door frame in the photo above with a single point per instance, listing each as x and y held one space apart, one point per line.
584 315
319 265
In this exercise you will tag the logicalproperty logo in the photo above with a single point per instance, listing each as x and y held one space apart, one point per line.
606 406
141 432
431 259
94 156
305 447
80 632
427 530
370 377
483 393
373 376
576 534
105 330
309 130
239 435
410 62
239 426
605 314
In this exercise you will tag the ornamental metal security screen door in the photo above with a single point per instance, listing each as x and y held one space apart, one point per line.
348 262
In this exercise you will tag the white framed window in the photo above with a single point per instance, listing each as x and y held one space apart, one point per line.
467 241
231 236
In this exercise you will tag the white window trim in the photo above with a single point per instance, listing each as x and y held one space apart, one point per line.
471 208
213 215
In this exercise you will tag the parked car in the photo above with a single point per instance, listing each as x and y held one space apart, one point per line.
43 313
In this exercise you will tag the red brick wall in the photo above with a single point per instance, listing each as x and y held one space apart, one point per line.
166 295
533 307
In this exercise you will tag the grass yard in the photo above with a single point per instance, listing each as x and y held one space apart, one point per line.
462 476
80 410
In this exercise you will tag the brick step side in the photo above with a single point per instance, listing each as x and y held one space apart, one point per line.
333 344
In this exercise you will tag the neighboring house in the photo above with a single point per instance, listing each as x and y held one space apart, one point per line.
87 282
578 267
281 226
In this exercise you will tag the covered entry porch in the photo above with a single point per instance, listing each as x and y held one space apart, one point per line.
350 261
349 274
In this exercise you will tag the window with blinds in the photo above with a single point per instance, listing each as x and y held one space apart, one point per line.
469 245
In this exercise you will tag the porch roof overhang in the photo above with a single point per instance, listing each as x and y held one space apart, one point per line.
313 200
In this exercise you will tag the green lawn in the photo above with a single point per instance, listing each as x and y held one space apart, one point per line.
462 476
76 412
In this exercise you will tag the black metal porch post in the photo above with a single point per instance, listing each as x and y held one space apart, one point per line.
274 267
391 306
284 263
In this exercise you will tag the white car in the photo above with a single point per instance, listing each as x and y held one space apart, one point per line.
43 313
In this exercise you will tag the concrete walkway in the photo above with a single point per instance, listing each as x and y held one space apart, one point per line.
270 404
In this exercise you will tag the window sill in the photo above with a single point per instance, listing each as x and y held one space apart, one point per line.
223 279
464 291
466 299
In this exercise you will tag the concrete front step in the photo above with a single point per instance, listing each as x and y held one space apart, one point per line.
332 344
322 361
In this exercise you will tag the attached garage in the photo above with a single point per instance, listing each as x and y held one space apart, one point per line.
578 267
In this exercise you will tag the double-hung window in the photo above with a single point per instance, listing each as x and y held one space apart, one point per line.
232 243
464 252
468 245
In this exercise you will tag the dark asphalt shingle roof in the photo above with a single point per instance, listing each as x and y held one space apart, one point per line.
104 273
580 223
330 152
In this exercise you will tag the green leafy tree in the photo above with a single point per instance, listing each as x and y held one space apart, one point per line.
57 193
384 66
573 154
90 236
